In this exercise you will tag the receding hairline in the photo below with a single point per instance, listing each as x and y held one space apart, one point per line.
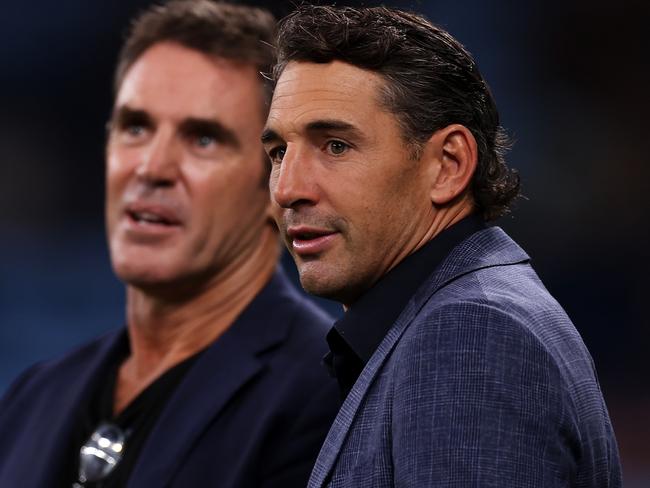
217 29
218 61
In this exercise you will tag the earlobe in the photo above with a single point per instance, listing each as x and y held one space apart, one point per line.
455 149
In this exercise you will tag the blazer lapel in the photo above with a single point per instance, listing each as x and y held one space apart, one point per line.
225 367
70 395
211 382
489 247
339 430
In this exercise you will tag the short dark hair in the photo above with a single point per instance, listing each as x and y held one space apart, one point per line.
431 80
217 29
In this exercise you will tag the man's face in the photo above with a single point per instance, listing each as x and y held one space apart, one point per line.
185 195
354 201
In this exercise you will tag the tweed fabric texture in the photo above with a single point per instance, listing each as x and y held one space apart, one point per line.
483 381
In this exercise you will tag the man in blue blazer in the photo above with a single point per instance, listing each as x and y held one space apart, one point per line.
216 380
457 367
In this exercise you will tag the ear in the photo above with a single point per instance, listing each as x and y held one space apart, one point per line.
454 151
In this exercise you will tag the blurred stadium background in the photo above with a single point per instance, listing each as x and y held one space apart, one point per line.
571 79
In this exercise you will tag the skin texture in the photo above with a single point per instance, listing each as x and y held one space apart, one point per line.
184 149
351 199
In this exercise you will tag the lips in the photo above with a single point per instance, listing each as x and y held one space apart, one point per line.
150 216
310 240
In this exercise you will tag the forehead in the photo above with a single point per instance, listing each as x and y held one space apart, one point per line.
336 90
170 80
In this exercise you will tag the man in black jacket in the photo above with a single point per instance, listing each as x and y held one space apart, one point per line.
216 379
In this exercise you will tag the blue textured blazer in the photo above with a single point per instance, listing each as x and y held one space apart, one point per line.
251 412
482 381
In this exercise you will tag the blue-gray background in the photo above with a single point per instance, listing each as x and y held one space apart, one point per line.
571 80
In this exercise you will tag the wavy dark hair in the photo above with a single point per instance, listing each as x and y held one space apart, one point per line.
431 80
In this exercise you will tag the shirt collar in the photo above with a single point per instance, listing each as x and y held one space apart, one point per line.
368 320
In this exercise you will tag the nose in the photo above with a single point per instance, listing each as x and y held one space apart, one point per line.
160 160
293 181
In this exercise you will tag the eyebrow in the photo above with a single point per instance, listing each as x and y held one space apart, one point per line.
191 125
124 114
223 134
269 135
332 124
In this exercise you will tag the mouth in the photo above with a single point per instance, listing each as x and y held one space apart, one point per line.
149 218
310 241
145 217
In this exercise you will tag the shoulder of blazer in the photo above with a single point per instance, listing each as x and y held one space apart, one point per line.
486 248
56 374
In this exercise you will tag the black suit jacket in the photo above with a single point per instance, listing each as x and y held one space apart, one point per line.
252 411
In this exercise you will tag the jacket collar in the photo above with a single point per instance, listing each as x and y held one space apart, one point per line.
69 396
483 249
225 367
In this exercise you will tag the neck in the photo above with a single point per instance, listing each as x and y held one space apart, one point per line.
163 332
445 218
437 220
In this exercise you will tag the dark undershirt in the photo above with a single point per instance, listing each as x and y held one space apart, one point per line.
355 336
136 420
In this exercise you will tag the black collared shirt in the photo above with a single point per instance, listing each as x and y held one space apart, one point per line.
354 337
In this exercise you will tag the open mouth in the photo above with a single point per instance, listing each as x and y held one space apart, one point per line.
307 236
310 241
150 218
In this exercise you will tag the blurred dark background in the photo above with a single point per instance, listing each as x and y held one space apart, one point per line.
571 79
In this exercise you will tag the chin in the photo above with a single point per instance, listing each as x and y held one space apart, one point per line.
134 264
341 283
142 274
323 286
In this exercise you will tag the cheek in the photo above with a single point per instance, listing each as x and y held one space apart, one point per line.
117 176
225 199
115 184
379 207
118 169
273 179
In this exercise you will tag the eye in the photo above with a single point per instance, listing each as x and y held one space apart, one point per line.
135 130
276 154
132 133
336 147
130 126
205 140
